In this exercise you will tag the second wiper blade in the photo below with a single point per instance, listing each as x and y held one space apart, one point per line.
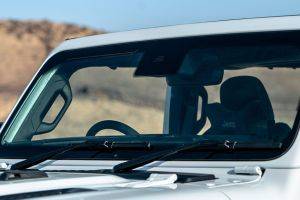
215 146
143 160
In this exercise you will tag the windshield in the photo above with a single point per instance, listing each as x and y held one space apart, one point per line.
245 95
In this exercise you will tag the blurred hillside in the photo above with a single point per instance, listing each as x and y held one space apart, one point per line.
23 47
25 44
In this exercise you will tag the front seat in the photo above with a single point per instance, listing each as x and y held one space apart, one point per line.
245 109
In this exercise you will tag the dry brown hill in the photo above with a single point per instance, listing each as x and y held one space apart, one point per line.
24 45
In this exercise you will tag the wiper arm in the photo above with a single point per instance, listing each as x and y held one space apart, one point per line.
25 164
215 146
146 159
18 170
30 162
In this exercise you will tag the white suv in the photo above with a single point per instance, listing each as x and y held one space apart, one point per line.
196 111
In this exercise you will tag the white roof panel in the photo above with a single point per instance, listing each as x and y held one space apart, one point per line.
187 30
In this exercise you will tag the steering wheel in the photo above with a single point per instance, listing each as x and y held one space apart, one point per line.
114 125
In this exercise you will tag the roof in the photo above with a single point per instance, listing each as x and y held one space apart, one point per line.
187 30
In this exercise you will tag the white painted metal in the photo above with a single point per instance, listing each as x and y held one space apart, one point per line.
281 177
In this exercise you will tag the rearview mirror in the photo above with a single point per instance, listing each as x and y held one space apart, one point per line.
199 67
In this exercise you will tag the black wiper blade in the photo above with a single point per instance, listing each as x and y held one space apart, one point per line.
146 159
129 145
258 145
25 164
20 170
30 162
214 146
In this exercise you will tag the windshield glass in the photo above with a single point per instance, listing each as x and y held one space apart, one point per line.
100 94
245 95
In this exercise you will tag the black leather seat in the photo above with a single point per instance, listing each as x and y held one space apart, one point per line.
244 109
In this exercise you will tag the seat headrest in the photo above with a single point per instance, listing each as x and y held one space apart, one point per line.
238 92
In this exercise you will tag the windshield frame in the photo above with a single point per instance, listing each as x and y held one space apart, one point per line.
91 52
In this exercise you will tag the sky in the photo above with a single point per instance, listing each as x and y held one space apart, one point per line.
118 15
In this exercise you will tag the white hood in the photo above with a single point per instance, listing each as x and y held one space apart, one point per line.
105 186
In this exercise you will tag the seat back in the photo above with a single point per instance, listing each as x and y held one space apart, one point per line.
244 108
